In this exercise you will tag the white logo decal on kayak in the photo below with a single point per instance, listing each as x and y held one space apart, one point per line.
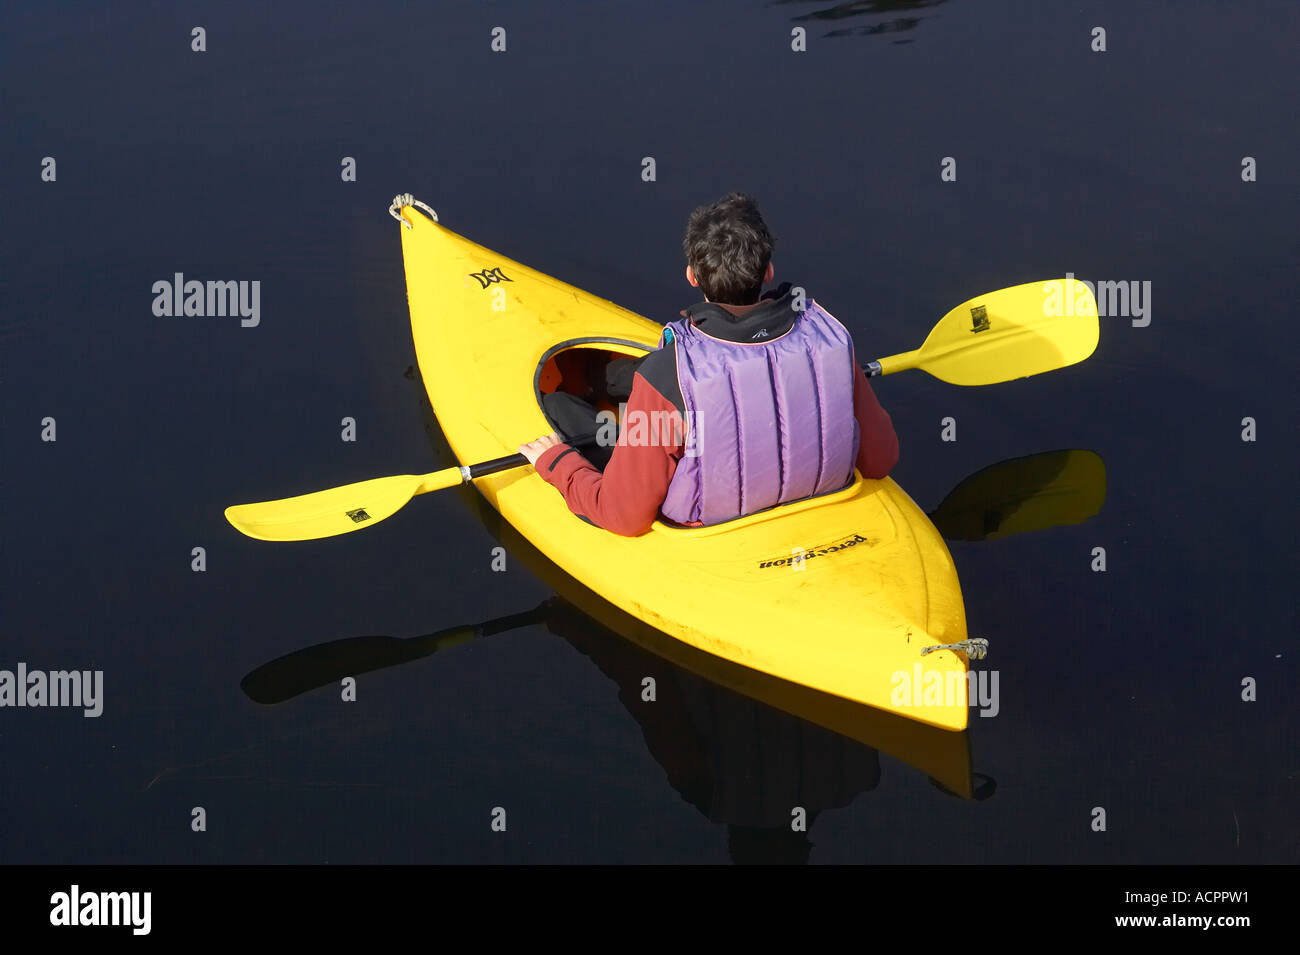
821 550
489 276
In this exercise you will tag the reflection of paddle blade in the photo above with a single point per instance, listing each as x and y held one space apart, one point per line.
312 667
1024 494
316 666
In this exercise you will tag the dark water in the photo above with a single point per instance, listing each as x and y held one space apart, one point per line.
1119 690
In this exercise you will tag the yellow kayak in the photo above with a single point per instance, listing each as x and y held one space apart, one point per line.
840 593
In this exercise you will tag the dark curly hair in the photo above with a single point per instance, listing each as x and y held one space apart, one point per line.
728 247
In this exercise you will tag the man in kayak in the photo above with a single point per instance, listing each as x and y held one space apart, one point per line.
769 402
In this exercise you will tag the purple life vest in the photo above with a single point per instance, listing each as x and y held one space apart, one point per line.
766 423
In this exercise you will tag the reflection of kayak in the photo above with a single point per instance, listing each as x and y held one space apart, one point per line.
839 593
734 758
943 756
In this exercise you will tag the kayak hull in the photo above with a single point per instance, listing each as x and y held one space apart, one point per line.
839 593
943 756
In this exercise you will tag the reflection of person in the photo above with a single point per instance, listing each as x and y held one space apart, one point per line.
774 405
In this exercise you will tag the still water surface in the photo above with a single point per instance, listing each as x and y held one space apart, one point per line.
1119 690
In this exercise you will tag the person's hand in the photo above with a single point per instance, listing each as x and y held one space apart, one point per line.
535 449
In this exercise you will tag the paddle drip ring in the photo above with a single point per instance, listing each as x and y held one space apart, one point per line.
401 201
976 648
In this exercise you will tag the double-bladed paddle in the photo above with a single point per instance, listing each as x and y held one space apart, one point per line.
1012 333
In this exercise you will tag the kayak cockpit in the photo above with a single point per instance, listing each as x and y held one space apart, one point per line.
594 371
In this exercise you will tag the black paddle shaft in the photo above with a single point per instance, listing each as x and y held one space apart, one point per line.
518 460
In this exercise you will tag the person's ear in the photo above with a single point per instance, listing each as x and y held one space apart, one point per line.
690 277
771 271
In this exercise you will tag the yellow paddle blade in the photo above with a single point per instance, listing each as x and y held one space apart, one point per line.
339 510
1012 333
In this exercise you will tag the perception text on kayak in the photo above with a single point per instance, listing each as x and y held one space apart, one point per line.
23 687
76 907
194 299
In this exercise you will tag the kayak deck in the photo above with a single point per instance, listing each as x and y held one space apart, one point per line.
875 583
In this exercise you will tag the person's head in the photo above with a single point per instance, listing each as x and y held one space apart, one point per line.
728 250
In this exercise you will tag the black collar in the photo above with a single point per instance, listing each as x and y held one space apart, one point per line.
771 317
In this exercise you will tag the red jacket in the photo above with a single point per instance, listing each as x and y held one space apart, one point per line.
626 497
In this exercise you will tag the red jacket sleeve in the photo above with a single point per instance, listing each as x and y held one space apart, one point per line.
877 442
625 498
